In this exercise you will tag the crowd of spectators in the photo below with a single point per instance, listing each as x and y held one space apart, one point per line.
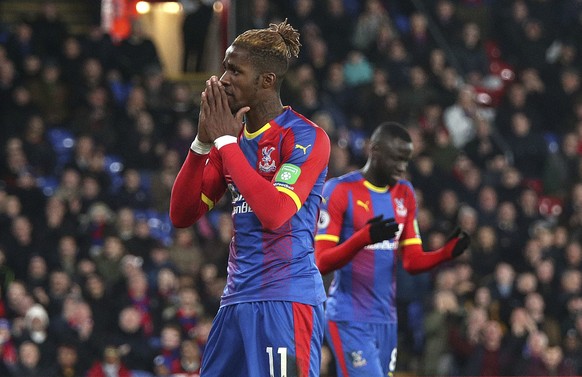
94 279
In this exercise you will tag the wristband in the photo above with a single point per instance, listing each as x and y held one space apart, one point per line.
200 147
224 140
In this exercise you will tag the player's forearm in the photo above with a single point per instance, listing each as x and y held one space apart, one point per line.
415 260
186 204
329 258
271 207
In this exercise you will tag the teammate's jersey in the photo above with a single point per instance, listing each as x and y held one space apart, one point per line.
365 289
279 264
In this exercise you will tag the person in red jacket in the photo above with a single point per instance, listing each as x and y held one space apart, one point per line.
111 365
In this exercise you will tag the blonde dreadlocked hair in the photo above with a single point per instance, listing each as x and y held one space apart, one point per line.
272 48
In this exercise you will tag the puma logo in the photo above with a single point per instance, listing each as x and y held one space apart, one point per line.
364 205
304 149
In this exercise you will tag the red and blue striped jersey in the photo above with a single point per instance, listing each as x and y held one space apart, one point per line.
365 289
291 152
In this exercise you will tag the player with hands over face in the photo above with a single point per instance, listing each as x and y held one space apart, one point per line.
273 161
368 221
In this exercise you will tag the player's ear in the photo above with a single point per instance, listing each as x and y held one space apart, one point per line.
269 79
373 148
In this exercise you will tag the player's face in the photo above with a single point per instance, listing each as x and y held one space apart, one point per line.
393 156
240 80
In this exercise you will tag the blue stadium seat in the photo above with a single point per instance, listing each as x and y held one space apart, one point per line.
552 141
114 167
160 224
161 227
63 142
48 184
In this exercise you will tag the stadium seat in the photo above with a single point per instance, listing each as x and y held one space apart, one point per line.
63 142
552 141
161 227
48 184
114 167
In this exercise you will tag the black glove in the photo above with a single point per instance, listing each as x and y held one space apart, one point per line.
463 240
381 230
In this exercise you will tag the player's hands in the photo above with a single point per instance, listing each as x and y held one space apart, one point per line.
215 113
459 240
202 134
382 229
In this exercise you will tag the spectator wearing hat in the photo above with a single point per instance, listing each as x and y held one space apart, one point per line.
36 330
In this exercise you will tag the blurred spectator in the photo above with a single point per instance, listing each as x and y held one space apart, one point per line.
99 298
417 94
447 19
139 293
51 94
70 59
489 357
561 170
503 289
190 358
67 362
110 365
132 192
14 117
572 350
168 361
259 14
6 278
336 28
141 241
29 362
460 118
108 259
528 147
485 254
487 145
49 29
418 39
535 306
368 24
552 363
195 31
134 346
96 116
436 354
22 42
38 278
162 180
92 77
470 54
37 330
464 335
188 311
136 52
8 350
96 43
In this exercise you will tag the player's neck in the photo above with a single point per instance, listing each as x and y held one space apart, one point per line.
262 113
368 174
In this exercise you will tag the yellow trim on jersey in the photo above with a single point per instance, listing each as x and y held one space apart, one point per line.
292 195
252 135
326 237
410 241
370 186
208 201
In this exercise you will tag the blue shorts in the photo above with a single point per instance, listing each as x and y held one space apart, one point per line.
363 349
265 338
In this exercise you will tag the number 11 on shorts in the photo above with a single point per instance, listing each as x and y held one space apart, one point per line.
282 351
